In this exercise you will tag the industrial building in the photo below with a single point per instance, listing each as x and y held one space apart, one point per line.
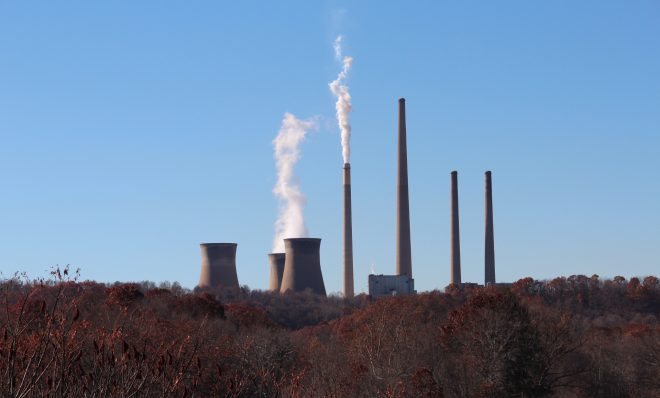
390 285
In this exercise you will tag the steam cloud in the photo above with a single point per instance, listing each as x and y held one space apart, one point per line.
343 105
290 221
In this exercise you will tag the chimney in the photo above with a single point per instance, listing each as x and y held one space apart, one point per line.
302 266
403 251
455 234
348 234
490 239
218 265
276 261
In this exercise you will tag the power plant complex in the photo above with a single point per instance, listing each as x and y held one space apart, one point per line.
298 269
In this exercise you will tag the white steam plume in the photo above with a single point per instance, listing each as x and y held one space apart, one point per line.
290 221
343 105
337 46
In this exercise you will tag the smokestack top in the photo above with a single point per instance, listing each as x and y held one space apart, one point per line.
402 100
275 254
488 172
347 165
218 244
454 172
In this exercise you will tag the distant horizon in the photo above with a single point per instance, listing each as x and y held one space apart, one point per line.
130 133
82 279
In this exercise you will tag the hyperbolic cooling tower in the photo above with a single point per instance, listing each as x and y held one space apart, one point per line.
276 261
302 266
348 234
490 239
403 251
455 232
218 265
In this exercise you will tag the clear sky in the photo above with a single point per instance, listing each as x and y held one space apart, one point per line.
131 131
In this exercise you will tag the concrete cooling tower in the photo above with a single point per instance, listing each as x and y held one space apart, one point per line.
302 266
218 265
276 261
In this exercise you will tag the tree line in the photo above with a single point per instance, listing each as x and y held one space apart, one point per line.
569 337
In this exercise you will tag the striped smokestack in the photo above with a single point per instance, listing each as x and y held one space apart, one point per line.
348 234
218 265
455 237
490 239
403 251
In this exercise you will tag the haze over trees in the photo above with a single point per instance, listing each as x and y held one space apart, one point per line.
570 337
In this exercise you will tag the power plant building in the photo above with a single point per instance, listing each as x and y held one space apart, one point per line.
390 285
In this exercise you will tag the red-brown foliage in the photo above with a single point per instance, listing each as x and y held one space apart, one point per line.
570 337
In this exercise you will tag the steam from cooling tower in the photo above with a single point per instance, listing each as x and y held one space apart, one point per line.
343 105
290 221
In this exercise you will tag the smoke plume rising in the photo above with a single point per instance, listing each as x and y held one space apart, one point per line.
290 221
339 88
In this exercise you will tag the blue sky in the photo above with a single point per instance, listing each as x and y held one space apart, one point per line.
132 131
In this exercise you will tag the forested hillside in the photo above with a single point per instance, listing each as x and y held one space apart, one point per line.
569 337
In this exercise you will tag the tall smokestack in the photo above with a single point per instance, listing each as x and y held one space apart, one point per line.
455 234
302 266
218 265
276 261
490 239
403 251
348 234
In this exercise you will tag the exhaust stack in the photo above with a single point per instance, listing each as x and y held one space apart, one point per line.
302 266
403 251
276 261
348 234
218 265
455 232
490 239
